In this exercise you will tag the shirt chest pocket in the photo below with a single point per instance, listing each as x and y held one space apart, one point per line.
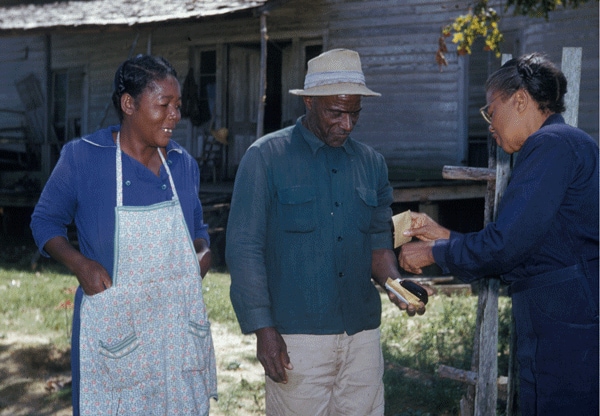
297 209
366 202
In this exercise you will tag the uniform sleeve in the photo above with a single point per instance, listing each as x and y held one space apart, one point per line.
55 209
246 239
532 199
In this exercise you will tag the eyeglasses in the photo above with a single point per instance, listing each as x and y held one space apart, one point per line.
486 116
483 111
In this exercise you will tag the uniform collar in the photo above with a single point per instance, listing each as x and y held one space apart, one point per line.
555 118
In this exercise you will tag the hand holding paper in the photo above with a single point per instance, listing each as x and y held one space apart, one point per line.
424 228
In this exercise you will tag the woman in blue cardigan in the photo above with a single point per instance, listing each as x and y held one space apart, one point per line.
141 338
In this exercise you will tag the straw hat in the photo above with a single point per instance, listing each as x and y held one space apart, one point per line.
335 72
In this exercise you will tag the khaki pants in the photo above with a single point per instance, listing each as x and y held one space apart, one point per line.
337 375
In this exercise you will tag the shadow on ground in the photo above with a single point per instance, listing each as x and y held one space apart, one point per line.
34 379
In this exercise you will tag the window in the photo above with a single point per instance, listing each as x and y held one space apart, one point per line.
207 84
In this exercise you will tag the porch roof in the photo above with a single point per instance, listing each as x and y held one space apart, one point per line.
39 14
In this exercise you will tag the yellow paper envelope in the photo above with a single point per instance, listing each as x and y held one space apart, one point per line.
402 223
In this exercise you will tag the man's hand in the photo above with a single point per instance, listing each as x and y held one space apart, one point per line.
425 229
411 310
271 351
383 266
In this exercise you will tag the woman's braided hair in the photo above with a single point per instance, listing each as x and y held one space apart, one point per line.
136 74
534 73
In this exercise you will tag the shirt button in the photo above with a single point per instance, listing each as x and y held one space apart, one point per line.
333 170
127 183
170 162
340 238
337 204
341 274
163 187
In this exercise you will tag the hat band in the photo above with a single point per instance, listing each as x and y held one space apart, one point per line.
318 79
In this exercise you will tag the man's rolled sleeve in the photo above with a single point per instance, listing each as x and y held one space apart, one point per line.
252 319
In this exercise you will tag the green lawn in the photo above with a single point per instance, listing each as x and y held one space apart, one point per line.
38 302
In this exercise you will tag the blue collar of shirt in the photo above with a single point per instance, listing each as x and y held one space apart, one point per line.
555 118
103 138
315 143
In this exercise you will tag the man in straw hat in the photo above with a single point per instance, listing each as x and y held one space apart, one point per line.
310 223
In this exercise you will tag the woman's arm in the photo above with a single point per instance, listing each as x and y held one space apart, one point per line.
92 277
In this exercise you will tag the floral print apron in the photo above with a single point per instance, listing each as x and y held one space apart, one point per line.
146 346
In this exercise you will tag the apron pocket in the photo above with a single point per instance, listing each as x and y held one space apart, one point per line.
201 345
125 362
199 370
123 356
121 348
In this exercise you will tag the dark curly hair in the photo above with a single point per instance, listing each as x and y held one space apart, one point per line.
136 74
534 73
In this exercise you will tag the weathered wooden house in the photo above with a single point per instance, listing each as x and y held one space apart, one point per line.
58 58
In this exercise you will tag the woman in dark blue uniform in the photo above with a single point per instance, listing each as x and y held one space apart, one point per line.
544 242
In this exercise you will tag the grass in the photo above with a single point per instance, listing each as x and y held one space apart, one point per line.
36 303
444 335
234 397
215 289
247 397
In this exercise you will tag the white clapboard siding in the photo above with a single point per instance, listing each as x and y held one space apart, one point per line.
423 118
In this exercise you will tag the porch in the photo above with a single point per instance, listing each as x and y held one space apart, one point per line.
458 205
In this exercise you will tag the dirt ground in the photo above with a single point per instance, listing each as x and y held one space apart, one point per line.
33 374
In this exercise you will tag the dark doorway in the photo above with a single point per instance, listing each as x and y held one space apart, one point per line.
275 62
272 121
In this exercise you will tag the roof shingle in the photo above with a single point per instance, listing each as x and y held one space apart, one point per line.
74 13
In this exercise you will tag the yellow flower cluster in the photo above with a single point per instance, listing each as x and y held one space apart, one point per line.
466 28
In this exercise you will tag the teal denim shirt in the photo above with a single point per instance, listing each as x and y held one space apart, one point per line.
304 220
